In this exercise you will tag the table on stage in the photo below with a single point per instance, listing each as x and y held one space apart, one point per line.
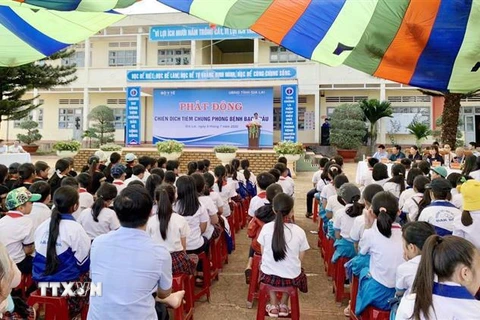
9 158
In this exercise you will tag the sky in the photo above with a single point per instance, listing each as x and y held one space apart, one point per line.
147 6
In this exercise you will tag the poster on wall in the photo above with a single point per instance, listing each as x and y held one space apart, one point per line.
200 117
133 106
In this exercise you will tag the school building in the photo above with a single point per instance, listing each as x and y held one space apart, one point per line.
142 50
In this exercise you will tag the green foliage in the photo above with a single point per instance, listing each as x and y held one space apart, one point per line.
169 146
90 134
395 127
71 145
111 147
348 127
103 123
375 110
420 130
253 131
437 133
32 135
225 149
288 147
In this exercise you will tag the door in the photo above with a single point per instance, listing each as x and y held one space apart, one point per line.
470 134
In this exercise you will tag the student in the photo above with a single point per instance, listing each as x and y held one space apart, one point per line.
367 177
191 168
396 185
456 180
381 153
16 229
240 177
475 174
397 153
424 166
438 173
333 202
409 191
62 167
131 161
414 154
225 190
281 263
26 175
231 175
96 175
12 175
41 170
467 225
152 183
275 173
138 172
324 179
72 172
100 219
441 212
207 167
146 162
170 178
329 190
115 158
200 166
446 282
170 230
380 174
40 210
112 265
248 174
85 198
162 163
317 177
285 162
407 163
215 196
382 239
118 174
172 165
344 219
208 204
412 206
264 180
285 181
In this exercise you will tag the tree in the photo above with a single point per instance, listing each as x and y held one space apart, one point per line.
348 127
437 133
32 136
103 125
420 130
16 81
90 134
375 110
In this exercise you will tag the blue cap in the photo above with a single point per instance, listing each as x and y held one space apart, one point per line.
117 170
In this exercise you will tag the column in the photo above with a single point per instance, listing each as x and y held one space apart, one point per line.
139 50
35 102
193 53
256 49
318 121
86 109
382 124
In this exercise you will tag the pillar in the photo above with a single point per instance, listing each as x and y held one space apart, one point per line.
139 61
382 124
318 124
256 49
193 53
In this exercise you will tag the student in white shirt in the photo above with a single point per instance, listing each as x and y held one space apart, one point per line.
138 171
285 181
441 212
239 176
456 180
170 230
224 189
396 185
409 191
380 174
264 180
85 198
283 246
333 205
10 278
73 182
100 219
333 170
148 163
118 174
245 165
316 178
412 205
366 177
208 204
215 196
446 282
16 148
382 239
40 211
467 225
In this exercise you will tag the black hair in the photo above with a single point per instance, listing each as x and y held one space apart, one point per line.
424 165
106 192
133 206
191 167
385 207
13 168
334 170
381 146
453 178
272 190
114 159
235 163
69 181
469 165
357 208
230 171
245 164
370 191
137 183
417 233
41 166
62 165
322 162
473 144
265 179
420 182
93 162
398 147
159 172
172 165
161 161
338 160
83 179
209 182
324 176
281 167
380 172
42 188
3 173
199 183
170 177
282 206
425 202
153 181
414 147
275 173
340 180
220 174
145 161
407 163
201 166
25 172
138 169
187 198
282 160
207 163
165 197
412 174
398 176
65 200
372 161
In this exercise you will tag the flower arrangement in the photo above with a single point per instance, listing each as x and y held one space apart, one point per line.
72 145
111 147
289 147
253 130
225 149
169 146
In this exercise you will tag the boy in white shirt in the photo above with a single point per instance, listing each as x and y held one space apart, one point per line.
264 179
85 199
138 173
367 178
118 174
40 211
147 162
285 181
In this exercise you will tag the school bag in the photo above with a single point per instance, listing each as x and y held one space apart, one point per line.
242 190
251 189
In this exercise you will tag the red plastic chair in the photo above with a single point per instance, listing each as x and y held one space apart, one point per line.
215 259
184 282
264 296
316 204
224 250
371 313
56 308
353 297
254 278
205 290
339 280
231 223
25 283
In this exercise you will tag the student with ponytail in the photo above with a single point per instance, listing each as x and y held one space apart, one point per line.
329 190
447 280
382 239
467 225
100 219
170 229
62 168
396 185
213 229
283 246
224 189
115 158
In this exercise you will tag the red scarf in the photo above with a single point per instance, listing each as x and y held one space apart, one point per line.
262 195
118 183
14 215
82 190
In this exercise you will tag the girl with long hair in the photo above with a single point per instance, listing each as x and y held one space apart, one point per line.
95 173
115 158
225 190
62 168
470 165
396 185
213 229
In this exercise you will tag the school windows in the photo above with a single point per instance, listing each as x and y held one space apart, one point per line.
279 54
277 118
119 114
39 120
77 59
122 58
174 57
67 117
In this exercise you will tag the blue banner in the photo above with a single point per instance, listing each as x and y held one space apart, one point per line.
210 117
289 100
198 32
210 74
133 122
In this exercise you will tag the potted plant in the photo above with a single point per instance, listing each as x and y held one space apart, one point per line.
420 130
292 151
170 149
67 148
348 130
32 136
110 148
225 153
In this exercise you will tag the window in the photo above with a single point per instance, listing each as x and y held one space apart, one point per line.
281 55
122 58
277 118
67 116
345 99
78 58
16 123
394 99
173 57
404 116
119 114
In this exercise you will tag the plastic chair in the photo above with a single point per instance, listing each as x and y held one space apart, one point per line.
56 308
25 283
215 259
353 296
339 280
371 313
316 204
254 284
224 249
264 296
205 290
231 223
184 282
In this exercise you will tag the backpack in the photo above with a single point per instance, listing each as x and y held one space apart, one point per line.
251 189
242 190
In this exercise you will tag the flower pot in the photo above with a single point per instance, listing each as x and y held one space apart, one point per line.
32 148
171 156
66 153
347 155
225 158
291 159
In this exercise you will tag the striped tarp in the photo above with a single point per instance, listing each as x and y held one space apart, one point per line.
432 44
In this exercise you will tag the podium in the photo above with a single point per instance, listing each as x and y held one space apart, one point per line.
254 136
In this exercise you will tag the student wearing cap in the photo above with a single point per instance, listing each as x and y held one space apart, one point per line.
130 159
441 212
467 225
118 174
16 230
438 172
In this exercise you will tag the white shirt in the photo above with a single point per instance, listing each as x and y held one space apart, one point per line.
195 239
217 199
40 212
411 206
119 184
107 221
177 229
343 222
470 233
321 184
386 254
132 178
407 194
406 273
257 121
212 210
457 198
85 201
228 191
333 205
380 182
356 233
16 231
317 177
440 214
475 175
393 188
366 178
13 149
257 202
3 149
145 176
291 266
328 191
288 185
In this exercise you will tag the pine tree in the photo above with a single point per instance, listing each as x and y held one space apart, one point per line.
103 123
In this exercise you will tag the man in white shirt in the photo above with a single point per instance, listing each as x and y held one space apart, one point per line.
16 148
138 172
3 147
256 120
40 210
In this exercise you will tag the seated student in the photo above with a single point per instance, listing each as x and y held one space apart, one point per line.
329 190
456 180
380 174
317 177
215 196
146 162
425 167
287 183
115 158
225 190
285 162
231 176
118 174
170 230
40 210
333 202
438 173
170 178
72 182
138 172
283 246
441 212
366 177
62 168
41 170
396 185
407 163
72 172
200 167
96 175
344 219
382 239
248 174
412 205
435 156
112 265
207 164
274 172
397 153
414 154
26 176
467 225
263 215
381 153
16 229
86 199
100 219
62 246
446 282
409 191
264 180
130 162
162 163
324 179
208 204
12 175
240 177
172 165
